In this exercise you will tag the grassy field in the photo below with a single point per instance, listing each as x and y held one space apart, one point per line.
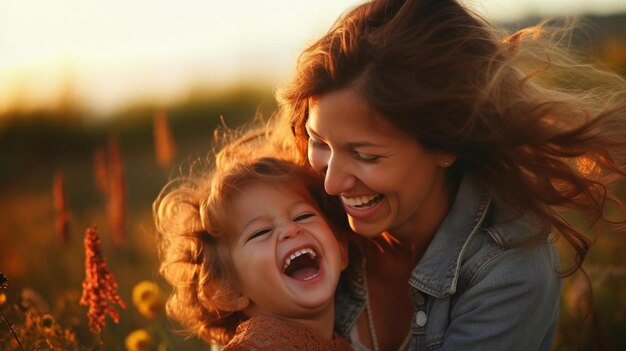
46 271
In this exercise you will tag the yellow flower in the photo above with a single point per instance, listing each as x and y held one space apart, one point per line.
138 340
148 299
47 321
3 299
69 335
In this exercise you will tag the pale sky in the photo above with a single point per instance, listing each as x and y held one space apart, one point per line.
111 52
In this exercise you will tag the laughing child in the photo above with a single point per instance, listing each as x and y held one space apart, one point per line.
251 257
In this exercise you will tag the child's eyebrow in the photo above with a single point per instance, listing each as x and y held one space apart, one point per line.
251 222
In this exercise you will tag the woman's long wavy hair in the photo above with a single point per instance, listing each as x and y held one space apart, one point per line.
538 128
191 217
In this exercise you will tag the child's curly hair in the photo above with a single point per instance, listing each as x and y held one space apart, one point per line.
190 215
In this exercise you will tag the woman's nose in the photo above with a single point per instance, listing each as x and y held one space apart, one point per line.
337 178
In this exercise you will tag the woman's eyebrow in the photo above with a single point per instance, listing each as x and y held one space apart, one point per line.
353 144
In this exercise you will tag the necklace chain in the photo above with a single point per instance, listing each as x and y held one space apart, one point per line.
368 310
370 318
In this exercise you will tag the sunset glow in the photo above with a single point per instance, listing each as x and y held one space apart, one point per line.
104 54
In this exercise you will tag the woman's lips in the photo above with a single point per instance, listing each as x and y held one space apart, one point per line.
363 201
362 210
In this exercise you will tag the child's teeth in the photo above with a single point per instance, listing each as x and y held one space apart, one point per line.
297 254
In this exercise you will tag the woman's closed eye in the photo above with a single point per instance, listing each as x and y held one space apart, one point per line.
369 158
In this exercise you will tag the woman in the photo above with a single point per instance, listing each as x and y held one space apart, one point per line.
462 149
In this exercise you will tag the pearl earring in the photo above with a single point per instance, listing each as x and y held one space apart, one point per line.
446 164
243 301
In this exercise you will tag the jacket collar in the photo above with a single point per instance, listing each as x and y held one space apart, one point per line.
437 272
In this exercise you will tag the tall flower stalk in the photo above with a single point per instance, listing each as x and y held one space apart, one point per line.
4 283
117 193
99 286
62 213
101 171
164 144
108 170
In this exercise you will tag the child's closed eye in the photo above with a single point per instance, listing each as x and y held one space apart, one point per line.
303 216
259 233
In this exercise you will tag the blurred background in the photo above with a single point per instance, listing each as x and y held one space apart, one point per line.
101 102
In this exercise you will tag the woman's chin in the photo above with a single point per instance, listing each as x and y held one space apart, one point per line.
365 230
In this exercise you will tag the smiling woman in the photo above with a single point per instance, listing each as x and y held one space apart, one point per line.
359 145
456 149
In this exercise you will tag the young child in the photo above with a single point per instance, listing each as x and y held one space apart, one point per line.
252 260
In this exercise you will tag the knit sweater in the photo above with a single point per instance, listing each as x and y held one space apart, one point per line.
265 333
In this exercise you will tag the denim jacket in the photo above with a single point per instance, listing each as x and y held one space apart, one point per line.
474 288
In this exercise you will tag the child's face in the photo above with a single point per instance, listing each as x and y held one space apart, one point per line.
286 257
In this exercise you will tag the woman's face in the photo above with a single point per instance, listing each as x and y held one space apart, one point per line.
387 181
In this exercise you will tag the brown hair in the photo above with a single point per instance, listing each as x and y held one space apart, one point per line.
518 111
190 215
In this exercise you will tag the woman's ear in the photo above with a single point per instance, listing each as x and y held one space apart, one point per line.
445 160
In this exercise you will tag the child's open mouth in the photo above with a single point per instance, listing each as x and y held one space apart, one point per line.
302 264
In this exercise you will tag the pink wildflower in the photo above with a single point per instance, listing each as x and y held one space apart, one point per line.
99 286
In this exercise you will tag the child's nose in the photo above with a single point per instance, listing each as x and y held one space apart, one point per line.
288 230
